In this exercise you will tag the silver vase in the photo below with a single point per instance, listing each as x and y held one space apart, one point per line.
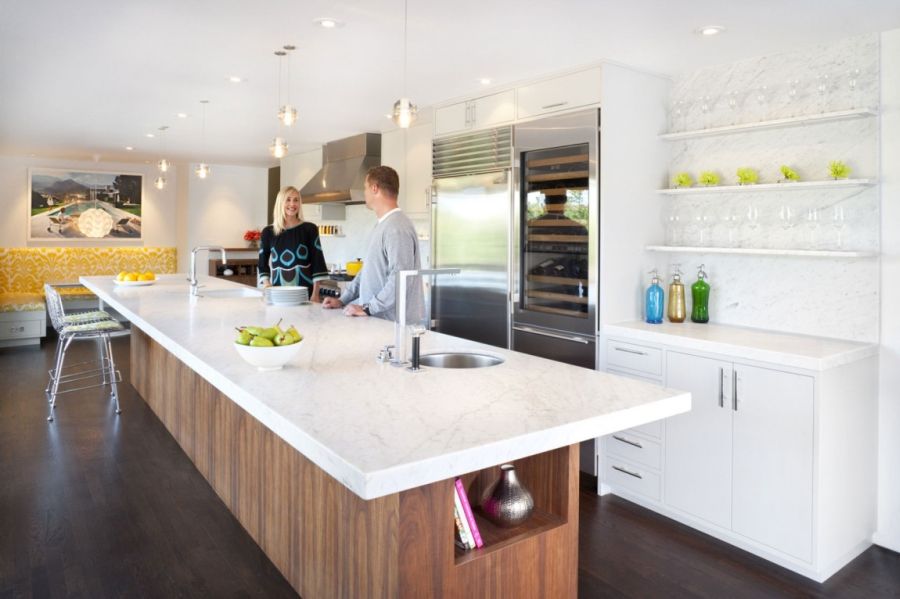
506 502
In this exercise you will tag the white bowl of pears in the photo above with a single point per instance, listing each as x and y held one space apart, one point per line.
268 348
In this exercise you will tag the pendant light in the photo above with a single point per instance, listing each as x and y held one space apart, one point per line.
95 222
404 112
163 164
202 170
287 114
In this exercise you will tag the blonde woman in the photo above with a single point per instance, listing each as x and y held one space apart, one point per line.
290 253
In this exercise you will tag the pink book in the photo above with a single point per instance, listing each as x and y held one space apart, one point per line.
470 517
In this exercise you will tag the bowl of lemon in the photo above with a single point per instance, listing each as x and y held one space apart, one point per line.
135 279
267 348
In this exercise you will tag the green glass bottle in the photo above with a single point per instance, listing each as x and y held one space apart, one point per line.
700 297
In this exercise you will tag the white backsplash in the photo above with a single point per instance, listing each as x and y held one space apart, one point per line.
817 296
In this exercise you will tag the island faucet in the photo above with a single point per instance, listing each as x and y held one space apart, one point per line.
400 324
193 276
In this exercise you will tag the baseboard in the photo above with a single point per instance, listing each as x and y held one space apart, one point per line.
886 542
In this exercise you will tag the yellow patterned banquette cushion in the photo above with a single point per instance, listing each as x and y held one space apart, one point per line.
23 271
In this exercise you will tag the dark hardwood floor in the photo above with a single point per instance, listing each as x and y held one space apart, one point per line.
95 505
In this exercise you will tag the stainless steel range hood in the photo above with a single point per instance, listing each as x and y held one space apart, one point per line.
343 174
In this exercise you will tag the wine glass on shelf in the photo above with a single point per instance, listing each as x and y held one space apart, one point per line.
752 215
793 86
822 90
731 218
762 96
732 105
673 226
788 217
838 221
707 223
812 223
853 84
705 108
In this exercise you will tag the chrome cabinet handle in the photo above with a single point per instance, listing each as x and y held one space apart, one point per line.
574 338
627 471
554 105
734 397
721 387
629 441
630 351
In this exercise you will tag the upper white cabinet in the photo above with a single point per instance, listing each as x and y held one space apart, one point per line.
408 151
559 93
486 111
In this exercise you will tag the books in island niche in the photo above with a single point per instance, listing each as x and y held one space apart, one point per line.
461 515
458 517
467 511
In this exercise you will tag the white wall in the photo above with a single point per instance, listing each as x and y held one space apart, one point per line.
223 206
158 213
888 533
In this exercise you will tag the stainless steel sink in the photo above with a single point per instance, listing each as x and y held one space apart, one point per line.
459 360
230 293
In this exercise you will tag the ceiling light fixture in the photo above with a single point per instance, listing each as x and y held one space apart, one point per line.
485 81
328 23
279 147
404 110
150 135
129 148
710 30
95 222
182 115
287 114
235 79
202 170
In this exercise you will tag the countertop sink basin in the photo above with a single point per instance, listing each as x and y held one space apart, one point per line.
231 293
459 360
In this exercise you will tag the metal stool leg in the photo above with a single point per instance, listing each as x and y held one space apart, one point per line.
54 373
60 359
114 390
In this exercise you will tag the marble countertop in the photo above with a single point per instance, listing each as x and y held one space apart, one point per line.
798 351
376 428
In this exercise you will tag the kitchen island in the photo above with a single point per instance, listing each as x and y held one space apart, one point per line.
342 468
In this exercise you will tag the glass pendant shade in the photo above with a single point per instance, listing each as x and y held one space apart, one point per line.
95 223
160 182
279 147
163 165
287 114
202 170
404 113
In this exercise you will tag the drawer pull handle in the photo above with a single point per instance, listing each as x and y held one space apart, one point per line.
734 397
554 105
628 472
631 351
628 441
721 387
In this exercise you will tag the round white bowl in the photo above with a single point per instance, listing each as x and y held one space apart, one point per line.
268 358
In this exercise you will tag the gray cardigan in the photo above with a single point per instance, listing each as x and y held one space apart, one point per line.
393 247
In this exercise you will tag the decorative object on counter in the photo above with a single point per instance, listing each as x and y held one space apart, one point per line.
700 297
655 298
506 502
709 178
789 173
252 238
354 266
747 175
838 169
676 311
683 180
267 348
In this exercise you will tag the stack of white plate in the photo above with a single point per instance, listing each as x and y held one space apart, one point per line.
286 296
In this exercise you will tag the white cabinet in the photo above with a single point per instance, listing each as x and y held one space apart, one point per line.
742 457
560 93
486 111
408 151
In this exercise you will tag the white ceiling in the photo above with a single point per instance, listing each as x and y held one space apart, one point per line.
82 79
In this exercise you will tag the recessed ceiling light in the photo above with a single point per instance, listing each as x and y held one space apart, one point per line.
485 80
182 115
235 79
149 135
710 30
129 148
328 22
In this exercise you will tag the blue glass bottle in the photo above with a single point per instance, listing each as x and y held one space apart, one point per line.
654 303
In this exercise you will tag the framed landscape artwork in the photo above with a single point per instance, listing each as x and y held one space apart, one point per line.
70 205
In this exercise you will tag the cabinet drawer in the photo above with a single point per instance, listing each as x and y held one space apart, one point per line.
647 360
559 93
22 329
634 478
636 449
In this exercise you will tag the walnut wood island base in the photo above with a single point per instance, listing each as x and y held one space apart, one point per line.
327 541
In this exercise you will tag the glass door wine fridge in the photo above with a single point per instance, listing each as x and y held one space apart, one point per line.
557 212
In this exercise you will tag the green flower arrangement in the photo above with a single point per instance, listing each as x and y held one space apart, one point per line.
789 173
709 178
838 169
683 180
747 175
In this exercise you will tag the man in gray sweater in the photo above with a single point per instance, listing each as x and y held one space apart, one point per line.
393 247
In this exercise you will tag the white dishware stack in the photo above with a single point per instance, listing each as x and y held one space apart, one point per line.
286 296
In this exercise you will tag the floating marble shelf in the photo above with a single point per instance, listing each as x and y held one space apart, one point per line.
796 186
760 251
840 115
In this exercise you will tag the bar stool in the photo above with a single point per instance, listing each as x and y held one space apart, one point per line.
95 324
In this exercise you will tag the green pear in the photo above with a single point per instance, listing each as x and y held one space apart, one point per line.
261 342
255 331
284 339
295 334
269 333
244 337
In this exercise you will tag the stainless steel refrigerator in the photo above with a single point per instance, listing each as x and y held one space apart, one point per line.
516 209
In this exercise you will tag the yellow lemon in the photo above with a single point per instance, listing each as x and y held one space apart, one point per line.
132 276
148 276
121 276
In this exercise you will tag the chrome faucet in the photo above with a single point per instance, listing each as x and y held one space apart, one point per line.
193 275
400 324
